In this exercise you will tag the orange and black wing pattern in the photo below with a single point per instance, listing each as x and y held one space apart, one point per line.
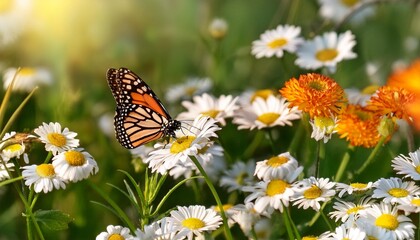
140 116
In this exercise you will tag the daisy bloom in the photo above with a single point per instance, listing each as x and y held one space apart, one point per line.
346 210
12 147
193 86
360 97
326 51
277 167
160 230
248 217
274 42
206 105
409 166
386 216
336 10
43 177
198 140
115 232
359 126
194 220
323 236
4 173
410 205
311 191
394 190
392 101
267 113
272 194
249 96
218 28
345 232
373 232
55 140
240 174
263 229
353 188
13 19
74 165
27 78
315 94
323 128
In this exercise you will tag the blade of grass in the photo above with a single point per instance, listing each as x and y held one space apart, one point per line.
6 97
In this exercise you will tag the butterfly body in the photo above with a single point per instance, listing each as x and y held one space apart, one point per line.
140 117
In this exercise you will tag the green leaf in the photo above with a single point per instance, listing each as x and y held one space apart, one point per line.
54 220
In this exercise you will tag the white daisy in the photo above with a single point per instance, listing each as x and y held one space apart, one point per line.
240 174
194 221
356 188
266 113
115 232
278 166
218 28
4 173
230 210
55 140
345 232
373 232
394 190
323 236
410 205
323 128
27 78
248 96
345 210
160 230
185 91
12 147
408 166
271 194
13 18
263 229
360 97
274 42
74 165
385 216
336 10
248 217
43 177
311 191
206 105
166 156
326 51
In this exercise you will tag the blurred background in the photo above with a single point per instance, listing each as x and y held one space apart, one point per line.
165 42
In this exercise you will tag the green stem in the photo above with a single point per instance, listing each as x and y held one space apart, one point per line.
372 155
327 220
320 155
286 220
316 216
295 229
344 163
271 140
215 195
249 151
297 138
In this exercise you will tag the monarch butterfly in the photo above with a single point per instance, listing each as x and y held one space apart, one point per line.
140 117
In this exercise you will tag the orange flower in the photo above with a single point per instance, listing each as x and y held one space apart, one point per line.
391 101
409 78
316 94
359 126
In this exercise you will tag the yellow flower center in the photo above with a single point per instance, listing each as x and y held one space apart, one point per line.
309 238
312 193
276 187
13 148
225 207
27 71
116 236
324 123
75 158
277 161
268 118
181 144
264 94
371 238
354 209
277 43
193 223
6 6
45 170
416 202
358 185
211 113
316 85
240 179
387 221
56 139
349 3
418 169
327 54
398 192
190 91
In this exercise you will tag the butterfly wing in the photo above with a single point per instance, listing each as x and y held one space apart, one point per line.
140 116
